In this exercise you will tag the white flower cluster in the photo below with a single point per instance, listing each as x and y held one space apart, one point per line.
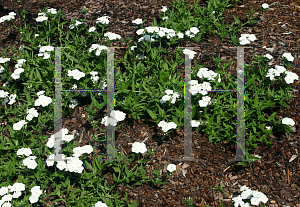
288 56
73 164
112 36
32 112
204 101
19 125
42 16
202 88
164 9
51 10
98 48
265 6
268 56
4 60
76 74
100 204
138 147
205 86
288 121
161 32
195 123
246 38
192 32
171 167
16 74
10 16
42 100
65 138
78 151
30 160
92 29
289 78
190 53
254 196
76 24
195 88
137 21
103 86
35 194
103 20
73 104
24 151
209 74
11 97
17 189
116 116
45 51
167 126
170 95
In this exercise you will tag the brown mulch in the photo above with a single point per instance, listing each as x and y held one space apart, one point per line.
274 175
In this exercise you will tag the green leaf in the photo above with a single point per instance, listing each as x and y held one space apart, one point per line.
116 179
142 161
144 86
272 116
36 74
59 25
237 20
126 170
161 112
138 183
56 200
153 116
71 58
250 82
94 101
88 165
117 169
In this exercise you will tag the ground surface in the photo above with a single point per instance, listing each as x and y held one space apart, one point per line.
274 175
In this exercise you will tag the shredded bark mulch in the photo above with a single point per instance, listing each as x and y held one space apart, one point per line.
276 175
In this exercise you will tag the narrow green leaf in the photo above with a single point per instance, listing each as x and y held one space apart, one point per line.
237 20
153 116
126 170
89 166
272 116
116 169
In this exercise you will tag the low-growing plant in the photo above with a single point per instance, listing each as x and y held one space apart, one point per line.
149 86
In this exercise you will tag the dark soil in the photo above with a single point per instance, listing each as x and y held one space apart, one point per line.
274 174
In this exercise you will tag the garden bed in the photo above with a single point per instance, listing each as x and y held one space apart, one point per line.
274 174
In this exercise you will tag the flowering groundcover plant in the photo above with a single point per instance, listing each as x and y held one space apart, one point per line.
164 113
